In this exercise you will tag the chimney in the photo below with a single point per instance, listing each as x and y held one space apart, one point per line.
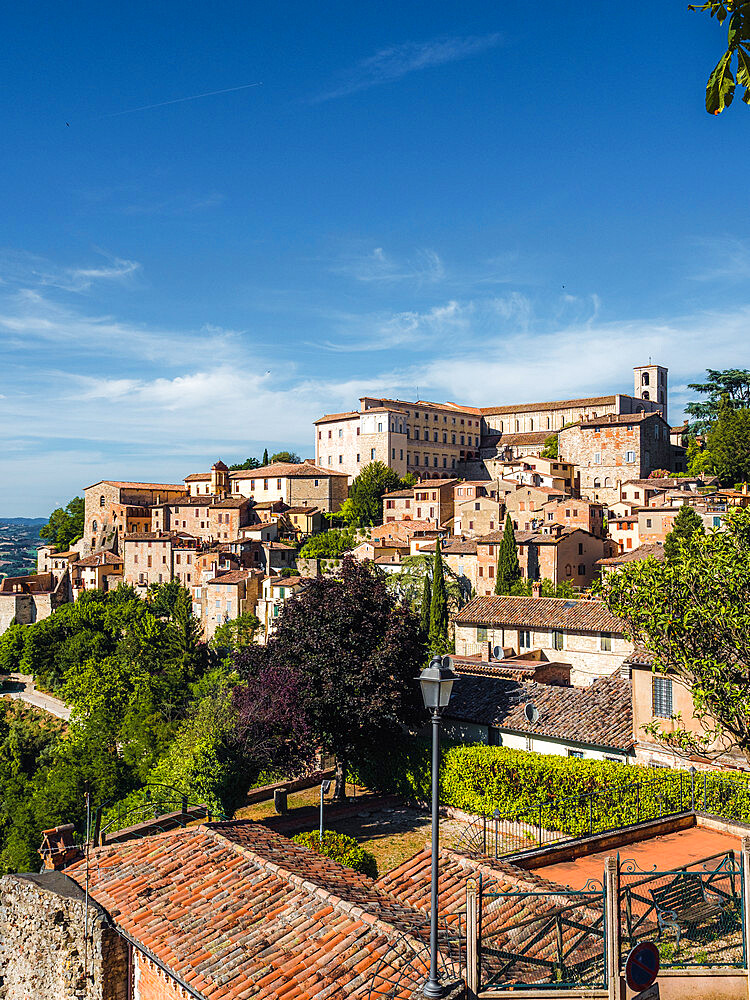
58 850
536 588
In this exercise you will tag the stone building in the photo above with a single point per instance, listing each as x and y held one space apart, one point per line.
431 440
209 517
582 633
99 571
297 485
478 516
228 595
572 513
113 509
147 558
571 555
28 599
526 505
614 449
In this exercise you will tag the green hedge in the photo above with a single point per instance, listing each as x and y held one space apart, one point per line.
341 848
562 793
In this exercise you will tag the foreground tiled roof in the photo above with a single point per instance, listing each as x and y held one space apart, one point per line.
236 911
540 612
651 551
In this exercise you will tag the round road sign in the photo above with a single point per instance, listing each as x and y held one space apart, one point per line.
642 966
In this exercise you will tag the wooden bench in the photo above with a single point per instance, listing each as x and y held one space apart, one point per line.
684 902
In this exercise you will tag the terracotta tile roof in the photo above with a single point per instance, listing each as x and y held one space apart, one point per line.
232 576
101 559
195 477
149 536
302 510
512 669
399 493
560 404
229 502
651 551
540 612
237 911
38 583
286 470
427 404
601 714
288 581
523 438
609 419
143 486
453 547
349 415
665 483
640 657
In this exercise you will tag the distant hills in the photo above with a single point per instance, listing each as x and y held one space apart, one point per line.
31 521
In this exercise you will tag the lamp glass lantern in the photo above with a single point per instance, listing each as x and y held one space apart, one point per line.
436 682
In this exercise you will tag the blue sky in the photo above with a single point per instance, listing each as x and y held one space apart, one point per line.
472 202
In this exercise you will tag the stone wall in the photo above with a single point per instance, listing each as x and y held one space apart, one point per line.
42 934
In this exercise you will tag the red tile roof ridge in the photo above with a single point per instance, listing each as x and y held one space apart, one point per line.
351 908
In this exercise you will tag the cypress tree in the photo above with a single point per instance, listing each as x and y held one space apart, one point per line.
438 606
426 604
265 457
685 526
508 570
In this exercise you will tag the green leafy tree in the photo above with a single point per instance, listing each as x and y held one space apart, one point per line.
331 544
366 494
693 615
247 465
65 525
722 82
409 584
732 384
286 456
235 633
728 445
685 525
339 847
438 635
424 617
508 570
551 447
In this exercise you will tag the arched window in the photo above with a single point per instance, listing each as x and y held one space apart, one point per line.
568 569
501 427
93 525
645 395
608 481
518 425
531 424
645 379
597 484
101 501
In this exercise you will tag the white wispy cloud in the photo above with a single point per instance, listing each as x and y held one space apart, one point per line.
423 267
24 269
398 61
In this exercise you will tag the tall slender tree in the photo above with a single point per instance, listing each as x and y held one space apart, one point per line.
265 457
508 570
426 605
685 525
438 605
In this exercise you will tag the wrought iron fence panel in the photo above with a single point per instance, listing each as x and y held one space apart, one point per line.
694 913
542 939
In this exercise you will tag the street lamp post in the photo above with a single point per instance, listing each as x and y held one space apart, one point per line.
436 682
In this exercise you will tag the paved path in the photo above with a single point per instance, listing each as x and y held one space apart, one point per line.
21 686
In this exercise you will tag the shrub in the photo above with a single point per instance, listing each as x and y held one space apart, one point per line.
341 848
546 789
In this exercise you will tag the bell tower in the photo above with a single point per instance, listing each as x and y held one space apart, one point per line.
650 382
219 479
